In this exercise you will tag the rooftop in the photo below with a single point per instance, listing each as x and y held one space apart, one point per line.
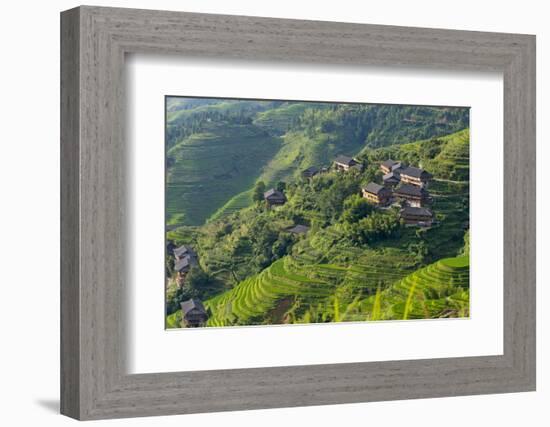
185 262
392 176
375 188
389 163
410 190
298 229
273 193
412 211
184 249
193 303
345 160
414 172
312 170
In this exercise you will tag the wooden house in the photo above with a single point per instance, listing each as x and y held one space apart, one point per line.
377 194
390 165
391 179
310 172
345 163
415 176
417 216
184 251
414 196
185 258
193 314
298 229
274 197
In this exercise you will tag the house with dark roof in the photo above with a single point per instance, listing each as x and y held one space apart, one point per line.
376 194
185 258
184 251
415 196
344 163
417 216
387 165
415 176
310 172
193 313
391 179
184 264
298 229
274 197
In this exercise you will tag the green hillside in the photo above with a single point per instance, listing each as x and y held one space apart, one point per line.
209 140
353 261
205 170
439 290
287 293
281 119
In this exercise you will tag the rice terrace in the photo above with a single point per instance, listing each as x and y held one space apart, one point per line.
289 212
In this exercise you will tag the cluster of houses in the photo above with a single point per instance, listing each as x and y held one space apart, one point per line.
193 312
406 185
184 258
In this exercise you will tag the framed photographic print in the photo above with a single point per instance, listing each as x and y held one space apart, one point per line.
299 212
279 229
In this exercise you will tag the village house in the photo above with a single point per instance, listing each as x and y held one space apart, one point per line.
390 165
415 176
184 251
415 196
185 258
274 197
377 194
345 163
193 313
391 179
310 172
298 229
417 216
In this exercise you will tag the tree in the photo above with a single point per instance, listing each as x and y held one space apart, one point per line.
355 208
281 186
197 279
258 191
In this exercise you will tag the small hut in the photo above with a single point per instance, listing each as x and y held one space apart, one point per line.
193 313
274 197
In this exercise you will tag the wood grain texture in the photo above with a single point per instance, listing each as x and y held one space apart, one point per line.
70 292
94 381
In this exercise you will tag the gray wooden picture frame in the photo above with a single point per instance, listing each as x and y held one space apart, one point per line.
94 382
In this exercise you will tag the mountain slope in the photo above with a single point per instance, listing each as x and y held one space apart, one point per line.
205 170
212 139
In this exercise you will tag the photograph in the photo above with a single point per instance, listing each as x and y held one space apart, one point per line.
296 212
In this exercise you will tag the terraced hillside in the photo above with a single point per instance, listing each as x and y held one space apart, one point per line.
280 119
292 293
218 148
440 290
295 289
350 260
207 169
235 204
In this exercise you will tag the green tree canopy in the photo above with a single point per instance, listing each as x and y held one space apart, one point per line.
258 191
